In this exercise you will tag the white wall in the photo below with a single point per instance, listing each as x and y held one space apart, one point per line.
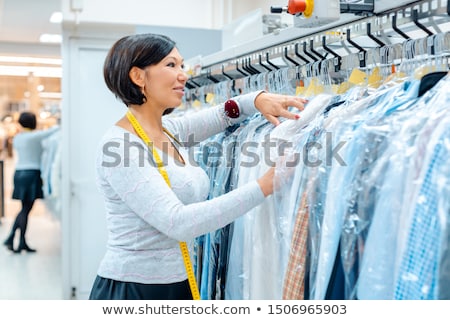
88 108
178 13
204 14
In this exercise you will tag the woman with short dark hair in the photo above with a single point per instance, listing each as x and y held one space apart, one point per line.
151 204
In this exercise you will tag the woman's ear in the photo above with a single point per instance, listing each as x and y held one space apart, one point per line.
137 75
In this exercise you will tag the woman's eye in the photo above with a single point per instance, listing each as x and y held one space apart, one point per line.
171 64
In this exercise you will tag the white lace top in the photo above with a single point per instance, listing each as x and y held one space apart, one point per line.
145 218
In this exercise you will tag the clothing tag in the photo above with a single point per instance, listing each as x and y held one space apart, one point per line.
423 70
375 78
314 88
357 77
343 87
299 91
197 103
210 98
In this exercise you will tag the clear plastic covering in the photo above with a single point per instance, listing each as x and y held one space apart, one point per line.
360 208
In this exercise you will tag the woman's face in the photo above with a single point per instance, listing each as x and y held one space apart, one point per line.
165 81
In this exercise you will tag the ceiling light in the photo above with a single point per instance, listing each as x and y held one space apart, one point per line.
25 71
56 17
50 95
18 59
50 38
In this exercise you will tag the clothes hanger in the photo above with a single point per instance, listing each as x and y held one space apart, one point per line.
371 36
362 51
337 58
246 69
415 15
315 59
270 63
286 56
210 76
262 64
299 55
249 65
239 70
396 29
226 74
311 48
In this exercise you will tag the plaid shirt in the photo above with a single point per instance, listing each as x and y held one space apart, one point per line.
294 281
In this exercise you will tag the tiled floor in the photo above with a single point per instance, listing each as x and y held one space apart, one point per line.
30 276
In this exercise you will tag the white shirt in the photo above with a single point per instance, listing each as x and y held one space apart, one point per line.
145 218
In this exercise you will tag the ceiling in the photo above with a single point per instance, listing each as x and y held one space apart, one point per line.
22 22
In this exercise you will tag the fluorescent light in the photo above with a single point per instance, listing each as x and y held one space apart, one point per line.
50 38
50 95
56 17
25 71
15 59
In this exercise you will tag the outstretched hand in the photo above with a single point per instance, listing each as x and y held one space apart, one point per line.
273 105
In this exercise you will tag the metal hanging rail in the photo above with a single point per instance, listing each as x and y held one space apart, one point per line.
300 45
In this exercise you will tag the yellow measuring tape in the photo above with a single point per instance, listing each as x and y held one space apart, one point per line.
183 246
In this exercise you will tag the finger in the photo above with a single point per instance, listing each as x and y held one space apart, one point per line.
289 115
273 120
298 103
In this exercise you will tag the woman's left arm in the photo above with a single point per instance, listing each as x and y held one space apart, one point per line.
198 126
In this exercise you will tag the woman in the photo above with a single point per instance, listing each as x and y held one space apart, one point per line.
151 209
27 175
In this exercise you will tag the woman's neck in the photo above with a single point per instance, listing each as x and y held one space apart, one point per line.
149 118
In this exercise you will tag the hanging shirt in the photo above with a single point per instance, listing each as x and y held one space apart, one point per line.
28 145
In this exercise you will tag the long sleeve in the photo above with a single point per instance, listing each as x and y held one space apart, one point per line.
139 184
198 126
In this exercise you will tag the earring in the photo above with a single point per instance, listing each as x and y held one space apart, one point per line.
144 97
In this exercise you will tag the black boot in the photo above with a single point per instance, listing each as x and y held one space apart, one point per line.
23 246
9 242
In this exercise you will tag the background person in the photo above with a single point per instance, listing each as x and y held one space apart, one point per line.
27 175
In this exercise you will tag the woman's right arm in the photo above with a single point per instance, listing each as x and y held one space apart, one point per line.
141 187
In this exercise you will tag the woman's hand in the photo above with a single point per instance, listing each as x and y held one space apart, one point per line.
266 182
273 105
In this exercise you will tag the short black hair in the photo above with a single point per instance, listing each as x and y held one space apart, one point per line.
27 120
140 50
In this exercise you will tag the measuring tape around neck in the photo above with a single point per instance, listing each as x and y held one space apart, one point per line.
183 246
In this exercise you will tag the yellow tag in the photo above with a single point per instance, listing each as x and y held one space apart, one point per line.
357 77
375 78
343 87
335 88
397 77
314 88
197 103
210 98
421 71
299 91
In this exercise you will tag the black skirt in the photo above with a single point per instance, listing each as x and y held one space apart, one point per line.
27 185
108 289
